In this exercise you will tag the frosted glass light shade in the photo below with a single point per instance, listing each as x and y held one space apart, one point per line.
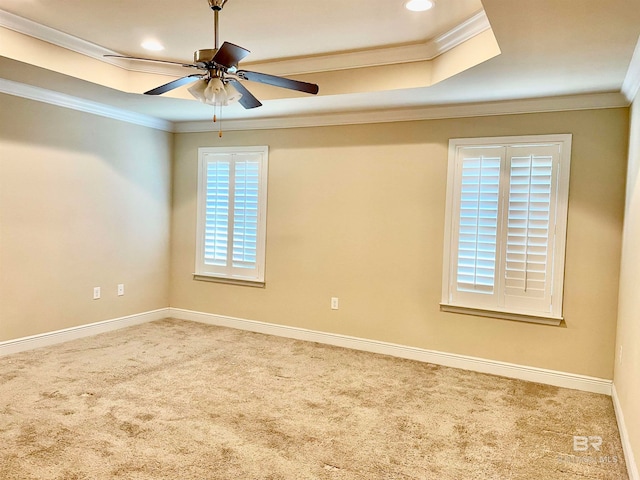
198 89
214 92
233 95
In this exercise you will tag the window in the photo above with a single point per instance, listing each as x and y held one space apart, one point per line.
505 229
231 226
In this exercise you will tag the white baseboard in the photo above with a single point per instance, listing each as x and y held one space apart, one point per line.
521 372
632 466
510 370
73 333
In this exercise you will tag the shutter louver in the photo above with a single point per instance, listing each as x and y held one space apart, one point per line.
505 235
245 214
217 213
529 227
232 202
478 223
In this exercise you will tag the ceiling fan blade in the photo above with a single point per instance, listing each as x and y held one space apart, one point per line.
247 100
230 54
172 85
152 60
281 82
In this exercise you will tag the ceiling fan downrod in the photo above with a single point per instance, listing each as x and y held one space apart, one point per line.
205 56
216 6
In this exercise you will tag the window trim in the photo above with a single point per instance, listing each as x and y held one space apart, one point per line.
200 273
555 317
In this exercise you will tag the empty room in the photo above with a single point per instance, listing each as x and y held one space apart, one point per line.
382 239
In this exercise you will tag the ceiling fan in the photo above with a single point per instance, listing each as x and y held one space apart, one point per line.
220 65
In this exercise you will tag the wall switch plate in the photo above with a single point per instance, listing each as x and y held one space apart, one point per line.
120 289
334 303
96 293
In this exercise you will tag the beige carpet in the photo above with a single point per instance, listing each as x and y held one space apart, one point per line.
180 400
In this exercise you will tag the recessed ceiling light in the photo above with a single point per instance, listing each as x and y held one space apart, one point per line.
152 45
419 5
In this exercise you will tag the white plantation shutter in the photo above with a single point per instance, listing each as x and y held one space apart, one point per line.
529 248
478 220
506 230
216 235
245 213
232 213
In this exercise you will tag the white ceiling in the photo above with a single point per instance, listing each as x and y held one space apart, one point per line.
270 29
548 48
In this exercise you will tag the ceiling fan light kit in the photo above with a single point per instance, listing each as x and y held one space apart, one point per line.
215 93
220 84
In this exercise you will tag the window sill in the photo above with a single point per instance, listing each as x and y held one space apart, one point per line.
554 321
229 281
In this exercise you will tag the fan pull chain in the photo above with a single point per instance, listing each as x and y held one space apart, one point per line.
215 119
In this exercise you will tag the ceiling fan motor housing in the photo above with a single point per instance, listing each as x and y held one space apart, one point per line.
204 56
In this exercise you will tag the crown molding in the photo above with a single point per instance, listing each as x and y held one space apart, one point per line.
83 47
434 112
82 105
631 84
55 37
468 29
507 107
428 50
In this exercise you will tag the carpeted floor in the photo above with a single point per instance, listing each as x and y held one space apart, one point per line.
180 400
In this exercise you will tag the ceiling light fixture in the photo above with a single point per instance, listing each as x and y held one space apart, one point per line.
419 5
152 45
217 92
221 84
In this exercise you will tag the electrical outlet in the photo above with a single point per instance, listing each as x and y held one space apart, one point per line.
620 355
120 289
96 293
334 303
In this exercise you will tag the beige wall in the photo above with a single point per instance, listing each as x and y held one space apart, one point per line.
84 202
357 212
627 371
